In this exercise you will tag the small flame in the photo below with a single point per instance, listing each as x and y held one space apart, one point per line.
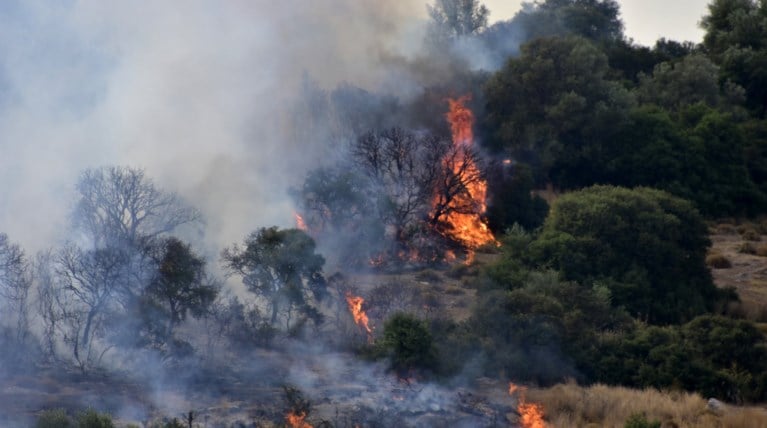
468 228
296 420
360 317
377 261
530 414
300 223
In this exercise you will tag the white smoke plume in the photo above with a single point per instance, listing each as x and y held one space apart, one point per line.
196 92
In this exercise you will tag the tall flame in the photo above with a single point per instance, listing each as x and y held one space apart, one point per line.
530 414
360 317
296 420
468 228
300 223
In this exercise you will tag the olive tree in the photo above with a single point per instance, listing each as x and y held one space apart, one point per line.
281 266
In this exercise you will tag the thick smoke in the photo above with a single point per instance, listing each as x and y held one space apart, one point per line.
198 93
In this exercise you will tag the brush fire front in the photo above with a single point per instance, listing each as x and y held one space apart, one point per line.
434 187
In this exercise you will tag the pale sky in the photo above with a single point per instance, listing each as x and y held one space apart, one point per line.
645 20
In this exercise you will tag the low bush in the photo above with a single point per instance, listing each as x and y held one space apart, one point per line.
718 261
54 418
747 248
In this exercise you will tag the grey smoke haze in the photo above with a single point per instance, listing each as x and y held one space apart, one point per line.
195 92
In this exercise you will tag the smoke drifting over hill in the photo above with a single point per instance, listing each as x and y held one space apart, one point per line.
197 93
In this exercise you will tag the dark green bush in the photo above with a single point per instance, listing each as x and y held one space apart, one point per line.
93 419
639 420
408 343
54 418
646 246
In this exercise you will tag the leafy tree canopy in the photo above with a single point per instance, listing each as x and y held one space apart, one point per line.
646 246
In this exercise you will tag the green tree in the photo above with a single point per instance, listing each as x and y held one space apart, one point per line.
554 108
180 284
691 80
93 419
511 200
456 18
280 265
716 356
646 246
598 20
409 344
698 153
736 39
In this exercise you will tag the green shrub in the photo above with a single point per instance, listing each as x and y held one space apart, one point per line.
408 342
646 246
639 420
54 418
93 419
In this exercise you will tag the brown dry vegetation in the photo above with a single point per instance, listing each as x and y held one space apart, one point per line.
748 271
569 405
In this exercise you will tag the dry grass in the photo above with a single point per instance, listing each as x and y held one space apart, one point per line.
725 229
569 405
718 261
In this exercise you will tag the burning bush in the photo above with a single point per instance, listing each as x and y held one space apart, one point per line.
429 193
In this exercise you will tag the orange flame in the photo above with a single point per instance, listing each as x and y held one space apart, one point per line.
296 420
530 414
360 317
300 223
467 228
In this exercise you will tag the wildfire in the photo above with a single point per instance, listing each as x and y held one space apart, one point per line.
300 223
530 414
467 228
360 317
296 420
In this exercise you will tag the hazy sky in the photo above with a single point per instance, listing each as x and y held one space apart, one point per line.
645 20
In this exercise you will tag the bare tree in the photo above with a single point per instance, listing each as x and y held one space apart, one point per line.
403 168
417 177
461 172
15 282
120 205
90 280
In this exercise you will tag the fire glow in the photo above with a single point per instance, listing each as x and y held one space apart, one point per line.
300 223
360 317
296 420
530 414
470 229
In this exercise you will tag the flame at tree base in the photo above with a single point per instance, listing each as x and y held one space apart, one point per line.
470 229
530 414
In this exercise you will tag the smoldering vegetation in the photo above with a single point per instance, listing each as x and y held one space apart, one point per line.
333 214
132 300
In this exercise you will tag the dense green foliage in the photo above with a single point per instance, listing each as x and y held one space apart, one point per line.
282 266
58 418
646 246
408 343
582 106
